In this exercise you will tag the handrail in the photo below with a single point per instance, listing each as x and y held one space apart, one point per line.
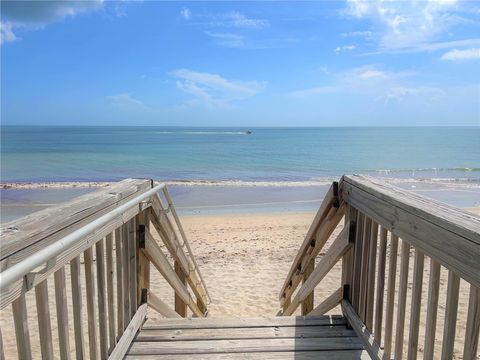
12 274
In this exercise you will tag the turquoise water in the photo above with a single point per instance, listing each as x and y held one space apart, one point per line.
268 154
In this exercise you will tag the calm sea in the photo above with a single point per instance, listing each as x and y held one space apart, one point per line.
38 154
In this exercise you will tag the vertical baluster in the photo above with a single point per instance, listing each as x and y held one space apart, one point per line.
416 304
62 313
102 303
364 268
143 265
22 334
90 286
372 261
307 304
392 275
119 275
451 308
132 243
402 299
432 308
2 353
44 324
180 306
110 297
126 276
357 261
347 260
77 307
473 324
382 253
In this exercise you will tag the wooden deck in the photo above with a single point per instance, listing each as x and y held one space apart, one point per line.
321 337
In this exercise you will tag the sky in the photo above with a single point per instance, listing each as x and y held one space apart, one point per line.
325 63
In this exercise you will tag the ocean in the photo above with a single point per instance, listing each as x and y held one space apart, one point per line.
38 154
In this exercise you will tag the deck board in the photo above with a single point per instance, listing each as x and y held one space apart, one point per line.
319 337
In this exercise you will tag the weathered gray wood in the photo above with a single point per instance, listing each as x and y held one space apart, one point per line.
129 333
62 314
126 275
416 305
180 305
244 333
143 265
328 304
389 307
451 309
132 252
402 300
2 352
165 229
119 278
328 202
357 260
432 308
90 287
382 253
77 307
331 257
362 298
110 294
357 324
22 334
372 263
473 325
44 324
286 355
102 299
449 235
266 321
158 305
307 304
245 345
158 259
348 258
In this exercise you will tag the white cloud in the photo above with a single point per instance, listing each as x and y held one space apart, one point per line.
186 13
237 41
340 49
365 34
409 24
228 39
400 94
467 54
214 90
6 33
233 19
125 100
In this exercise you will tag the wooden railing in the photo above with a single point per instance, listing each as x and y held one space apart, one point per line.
396 317
111 233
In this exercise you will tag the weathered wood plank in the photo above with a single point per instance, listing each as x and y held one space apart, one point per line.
132 252
357 260
244 333
402 299
449 235
357 324
217 323
286 355
129 333
328 304
62 314
22 334
307 304
90 287
180 305
102 299
473 325
331 257
382 254
126 275
451 309
119 278
44 323
416 305
143 265
77 307
245 345
158 305
432 308
372 263
158 259
389 307
110 294
362 298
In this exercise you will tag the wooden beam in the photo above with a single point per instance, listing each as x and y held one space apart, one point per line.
432 308
161 307
22 333
416 305
62 314
180 305
328 304
307 304
382 254
77 307
473 325
451 309
44 323
389 307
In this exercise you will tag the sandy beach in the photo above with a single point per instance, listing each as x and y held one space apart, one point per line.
244 259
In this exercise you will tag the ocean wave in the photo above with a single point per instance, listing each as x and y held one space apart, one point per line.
433 169
203 132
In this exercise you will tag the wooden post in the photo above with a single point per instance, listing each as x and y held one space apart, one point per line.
286 304
143 265
307 304
180 306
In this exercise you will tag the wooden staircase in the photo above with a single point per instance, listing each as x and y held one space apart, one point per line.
289 337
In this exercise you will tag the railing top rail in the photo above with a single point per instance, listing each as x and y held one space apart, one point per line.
20 269
447 234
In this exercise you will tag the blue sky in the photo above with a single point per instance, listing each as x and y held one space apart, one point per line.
345 63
